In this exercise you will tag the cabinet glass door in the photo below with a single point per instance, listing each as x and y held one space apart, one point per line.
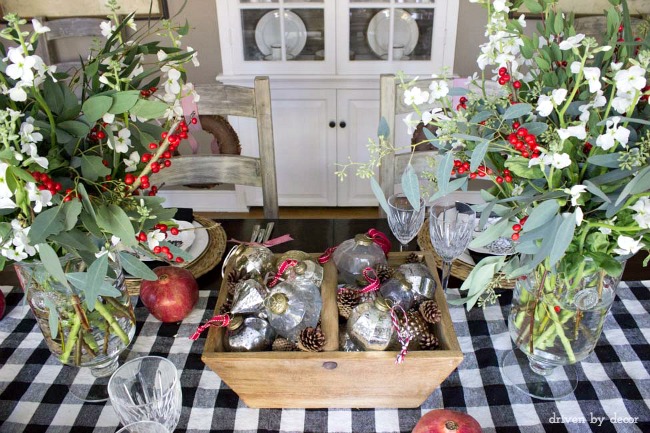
388 35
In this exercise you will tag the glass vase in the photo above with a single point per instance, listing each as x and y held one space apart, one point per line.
555 321
77 335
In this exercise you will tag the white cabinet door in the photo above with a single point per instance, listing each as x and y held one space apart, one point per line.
359 109
305 147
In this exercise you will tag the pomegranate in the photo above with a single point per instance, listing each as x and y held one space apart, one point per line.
172 296
447 421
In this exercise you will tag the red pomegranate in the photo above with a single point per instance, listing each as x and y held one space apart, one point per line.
172 296
447 421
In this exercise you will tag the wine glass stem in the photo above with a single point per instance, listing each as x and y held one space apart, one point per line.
403 247
446 270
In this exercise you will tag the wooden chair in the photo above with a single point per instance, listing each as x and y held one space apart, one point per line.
224 100
64 28
392 106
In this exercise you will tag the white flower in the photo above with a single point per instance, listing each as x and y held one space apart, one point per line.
7 203
439 89
17 93
21 66
108 118
132 162
642 209
579 216
4 187
544 105
572 42
627 246
41 198
415 96
107 28
592 75
411 124
154 238
622 102
172 85
628 80
38 27
616 66
161 55
560 160
606 230
558 96
122 142
575 192
575 67
578 131
500 6
195 59
131 24
613 134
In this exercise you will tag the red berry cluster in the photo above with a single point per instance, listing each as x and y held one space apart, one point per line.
162 250
145 93
516 228
45 182
645 95
97 132
462 103
504 77
523 142
587 148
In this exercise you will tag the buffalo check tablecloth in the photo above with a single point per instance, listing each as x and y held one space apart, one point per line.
613 393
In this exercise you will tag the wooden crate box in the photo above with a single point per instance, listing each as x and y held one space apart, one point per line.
335 379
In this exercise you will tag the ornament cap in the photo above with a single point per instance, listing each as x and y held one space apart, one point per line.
235 323
363 239
401 278
382 303
278 303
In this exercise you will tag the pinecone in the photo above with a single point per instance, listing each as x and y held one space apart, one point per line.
430 311
281 344
416 324
346 300
384 272
227 305
413 258
233 278
311 340
428 341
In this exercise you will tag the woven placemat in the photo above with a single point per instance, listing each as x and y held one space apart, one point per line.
459 269
208 259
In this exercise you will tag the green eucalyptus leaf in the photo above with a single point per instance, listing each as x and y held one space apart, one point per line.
541 214
535 128
457 91
96 106
124 101
376 189
639 183
53 95
89 222
596 191
383 130
516 111
114 220
610 160
71 211
563 238
147 109
75 240
50 260
47 223
85 200
53 316
92 167
411 186
533 6
20 173
481 116
519 166
75 128
444 172
478 154
542 63
136 268
490 234
95 278
547 242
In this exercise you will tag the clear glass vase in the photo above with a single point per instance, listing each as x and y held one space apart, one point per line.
77 335
555 321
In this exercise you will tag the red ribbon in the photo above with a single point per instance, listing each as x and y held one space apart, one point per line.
373 282
281 269
326 256
403 334
219 321
270 243
380 239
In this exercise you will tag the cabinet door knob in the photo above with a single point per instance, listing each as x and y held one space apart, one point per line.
342 124
332 124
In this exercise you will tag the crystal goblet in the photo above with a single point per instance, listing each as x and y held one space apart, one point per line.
403 219
144 427
147 389
451 224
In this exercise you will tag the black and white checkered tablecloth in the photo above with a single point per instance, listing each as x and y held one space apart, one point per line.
614 380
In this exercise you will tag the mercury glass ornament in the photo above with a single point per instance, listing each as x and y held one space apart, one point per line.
397 290
291 255
256 260
370 326
354 255
248 335
345 342
248 297
292 308
422 282
305 270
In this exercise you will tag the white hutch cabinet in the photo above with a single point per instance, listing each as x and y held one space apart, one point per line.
324 58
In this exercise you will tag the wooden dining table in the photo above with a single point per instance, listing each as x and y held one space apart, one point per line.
613 393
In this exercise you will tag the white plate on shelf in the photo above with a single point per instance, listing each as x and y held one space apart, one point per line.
267 32
405 33
193 242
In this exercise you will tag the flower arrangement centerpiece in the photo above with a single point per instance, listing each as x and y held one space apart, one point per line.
75 197
565 141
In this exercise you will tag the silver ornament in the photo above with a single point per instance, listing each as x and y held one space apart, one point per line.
370 326
397 290
422 282
250 334
354 255
248 297
292 308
